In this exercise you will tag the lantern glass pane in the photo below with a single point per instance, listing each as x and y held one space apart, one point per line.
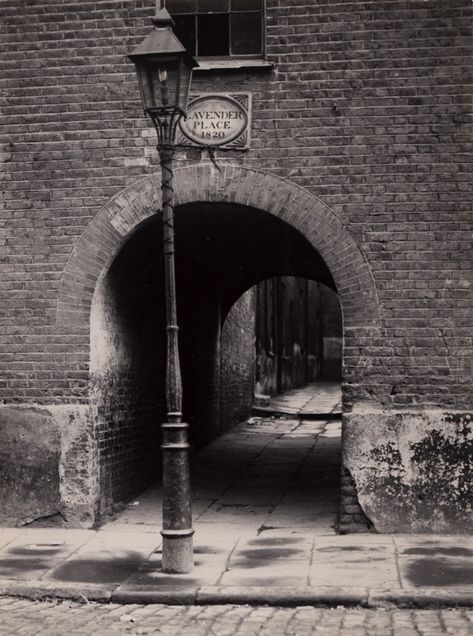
184 84
160 82
146 79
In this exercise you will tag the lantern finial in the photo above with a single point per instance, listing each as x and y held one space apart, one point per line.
162 19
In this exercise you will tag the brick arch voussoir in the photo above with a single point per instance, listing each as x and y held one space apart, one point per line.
110 229
97 247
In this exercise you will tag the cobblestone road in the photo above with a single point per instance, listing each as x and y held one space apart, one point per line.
66 618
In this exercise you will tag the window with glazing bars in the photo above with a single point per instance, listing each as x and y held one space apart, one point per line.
214 28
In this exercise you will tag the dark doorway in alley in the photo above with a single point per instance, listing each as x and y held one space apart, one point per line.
298 334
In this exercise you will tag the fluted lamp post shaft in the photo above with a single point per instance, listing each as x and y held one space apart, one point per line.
164 70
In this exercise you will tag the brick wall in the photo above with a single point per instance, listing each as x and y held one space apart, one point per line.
127 372
368 107
237 358
332 334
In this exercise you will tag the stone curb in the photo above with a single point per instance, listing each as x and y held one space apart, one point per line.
49 589
161 596
240 595
417 599
281 596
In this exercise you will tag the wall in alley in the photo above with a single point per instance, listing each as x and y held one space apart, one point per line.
126 379
237 360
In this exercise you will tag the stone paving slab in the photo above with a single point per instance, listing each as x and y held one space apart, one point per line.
264 577
320 398
151 576
7 535
233 563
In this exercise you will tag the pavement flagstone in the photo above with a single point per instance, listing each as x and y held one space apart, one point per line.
314 400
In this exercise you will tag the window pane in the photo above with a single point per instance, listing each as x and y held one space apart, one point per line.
213 34
213 6
181 6
246 34
185 30
246 5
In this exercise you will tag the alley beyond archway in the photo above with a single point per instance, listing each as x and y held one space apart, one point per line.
278 471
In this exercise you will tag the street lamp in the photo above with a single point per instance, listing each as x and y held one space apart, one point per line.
164 69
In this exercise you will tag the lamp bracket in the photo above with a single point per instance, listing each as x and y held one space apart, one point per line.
166 121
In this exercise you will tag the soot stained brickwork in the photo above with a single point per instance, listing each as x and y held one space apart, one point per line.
237 356
361 141
126 371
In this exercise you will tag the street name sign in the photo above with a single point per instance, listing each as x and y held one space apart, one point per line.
217 120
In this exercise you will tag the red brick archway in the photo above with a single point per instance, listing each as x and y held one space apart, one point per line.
81 300
320 225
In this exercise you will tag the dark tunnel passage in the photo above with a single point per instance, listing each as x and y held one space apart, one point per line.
227 249
222 250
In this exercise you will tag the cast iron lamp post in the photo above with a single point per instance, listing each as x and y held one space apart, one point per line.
164 69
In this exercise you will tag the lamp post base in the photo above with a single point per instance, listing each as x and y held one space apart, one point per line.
178 556
177 511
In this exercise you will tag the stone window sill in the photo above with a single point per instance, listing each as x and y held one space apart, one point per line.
233 64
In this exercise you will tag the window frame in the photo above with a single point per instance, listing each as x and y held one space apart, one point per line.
258 58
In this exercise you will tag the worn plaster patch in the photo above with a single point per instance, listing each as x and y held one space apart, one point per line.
29 465
78 465
413 471
48 468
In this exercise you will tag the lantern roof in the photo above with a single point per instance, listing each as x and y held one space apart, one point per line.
161 41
